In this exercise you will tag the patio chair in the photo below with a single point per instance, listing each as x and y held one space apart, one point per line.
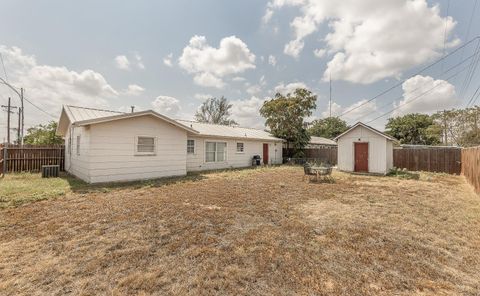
307 170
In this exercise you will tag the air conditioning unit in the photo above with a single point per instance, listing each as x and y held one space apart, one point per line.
50 171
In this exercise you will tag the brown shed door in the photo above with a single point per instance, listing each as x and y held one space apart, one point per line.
361 157
265 153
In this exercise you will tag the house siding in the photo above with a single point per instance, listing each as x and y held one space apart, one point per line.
389 155
196 161
377 150
78 165
112 150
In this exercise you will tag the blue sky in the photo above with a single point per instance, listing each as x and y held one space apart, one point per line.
113 54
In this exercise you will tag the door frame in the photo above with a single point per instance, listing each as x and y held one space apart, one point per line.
368 156
265 159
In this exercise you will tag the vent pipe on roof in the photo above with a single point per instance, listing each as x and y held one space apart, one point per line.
133 108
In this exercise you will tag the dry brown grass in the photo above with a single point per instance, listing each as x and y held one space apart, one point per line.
255 232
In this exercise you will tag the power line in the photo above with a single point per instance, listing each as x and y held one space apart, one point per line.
475 100
471 71
417 97
417 73
53 116
413 91
3 65
445 33
471 99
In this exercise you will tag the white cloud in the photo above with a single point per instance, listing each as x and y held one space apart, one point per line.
238 79
122 62
423 94
202 97
208 80
358 111
139 61
294 47
49 87
289 88
247 112
320 52
370 44
272 60
209 65
168 60
267 16
254 89
134 90
166 105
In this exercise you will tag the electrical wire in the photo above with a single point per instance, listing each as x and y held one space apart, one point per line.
445 33
27 100
417 97
472 98
413 91
417 73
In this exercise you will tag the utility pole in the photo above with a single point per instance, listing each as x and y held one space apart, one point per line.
19 137
445 127
9 108
22 121
21 96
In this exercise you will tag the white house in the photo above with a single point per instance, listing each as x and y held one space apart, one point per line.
365 149
108 146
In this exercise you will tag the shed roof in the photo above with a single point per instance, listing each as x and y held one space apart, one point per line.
367 127
321 141
225 131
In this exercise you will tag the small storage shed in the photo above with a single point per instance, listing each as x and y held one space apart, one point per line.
365 149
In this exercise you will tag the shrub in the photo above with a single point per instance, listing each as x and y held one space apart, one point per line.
403 174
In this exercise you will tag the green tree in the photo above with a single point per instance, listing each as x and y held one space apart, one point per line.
415 129
329 127
43 134
215 111
459 126
285 116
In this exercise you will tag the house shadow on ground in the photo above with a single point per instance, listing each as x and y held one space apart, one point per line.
82 187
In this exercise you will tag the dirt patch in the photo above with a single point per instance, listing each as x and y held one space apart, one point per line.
252 232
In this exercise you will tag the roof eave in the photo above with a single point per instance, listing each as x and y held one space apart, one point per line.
367 127
240 138
133 115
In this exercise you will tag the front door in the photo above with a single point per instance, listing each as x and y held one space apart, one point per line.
265 153
361 157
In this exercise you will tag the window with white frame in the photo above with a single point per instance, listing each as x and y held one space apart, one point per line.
190 146
240 147
78 145
215 151
145 145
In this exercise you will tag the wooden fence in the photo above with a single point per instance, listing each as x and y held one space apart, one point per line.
471 166
430 159
327 155
30 158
